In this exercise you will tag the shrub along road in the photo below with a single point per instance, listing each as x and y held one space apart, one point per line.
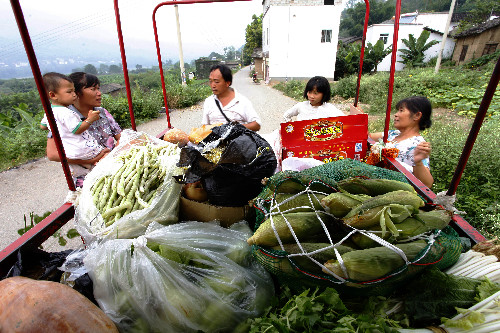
40 186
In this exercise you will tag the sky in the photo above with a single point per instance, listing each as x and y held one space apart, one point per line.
69 30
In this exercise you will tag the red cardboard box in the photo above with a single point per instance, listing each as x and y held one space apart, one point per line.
332 130
326 139
328 152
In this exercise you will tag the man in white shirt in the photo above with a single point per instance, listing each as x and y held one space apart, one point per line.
226 104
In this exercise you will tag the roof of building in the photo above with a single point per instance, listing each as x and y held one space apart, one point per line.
434 31
480 28
257 53
349 40
111 87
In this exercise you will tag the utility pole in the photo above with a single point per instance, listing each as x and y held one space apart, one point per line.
445 35
181 57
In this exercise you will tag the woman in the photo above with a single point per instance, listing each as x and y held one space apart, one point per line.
105 130
413 116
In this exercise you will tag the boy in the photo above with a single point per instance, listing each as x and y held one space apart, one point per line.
77 142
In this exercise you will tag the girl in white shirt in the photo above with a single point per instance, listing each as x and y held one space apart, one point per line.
317 93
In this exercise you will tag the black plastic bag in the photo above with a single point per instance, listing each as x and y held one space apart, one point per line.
38 264
236 177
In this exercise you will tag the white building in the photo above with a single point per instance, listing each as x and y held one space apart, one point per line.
413 23
299 38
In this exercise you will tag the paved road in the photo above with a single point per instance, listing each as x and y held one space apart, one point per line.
40 186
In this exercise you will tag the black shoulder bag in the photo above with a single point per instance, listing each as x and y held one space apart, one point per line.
218 105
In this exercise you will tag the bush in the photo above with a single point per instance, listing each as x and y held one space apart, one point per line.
479 188
293 89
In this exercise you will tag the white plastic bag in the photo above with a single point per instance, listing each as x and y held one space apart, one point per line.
199 277
163 207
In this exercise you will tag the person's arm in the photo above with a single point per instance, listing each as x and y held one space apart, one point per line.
85 124
254 126
53 155
293 111
117 138
376 136
422 151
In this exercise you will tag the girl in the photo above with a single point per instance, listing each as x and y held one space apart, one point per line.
413 116
317 93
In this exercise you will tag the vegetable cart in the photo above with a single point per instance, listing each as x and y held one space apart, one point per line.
43 230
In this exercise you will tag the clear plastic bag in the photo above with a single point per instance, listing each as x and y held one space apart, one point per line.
163 207
186 277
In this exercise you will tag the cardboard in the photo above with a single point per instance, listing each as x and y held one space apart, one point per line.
190 210
333 130
326 139
328 152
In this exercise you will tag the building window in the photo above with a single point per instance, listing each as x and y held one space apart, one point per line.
326 36
329 2
384 38
463 53
490 48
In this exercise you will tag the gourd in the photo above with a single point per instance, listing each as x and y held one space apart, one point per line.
28 305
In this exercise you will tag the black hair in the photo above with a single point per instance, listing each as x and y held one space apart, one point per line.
52 81
418 104
227 75
84 80
322 85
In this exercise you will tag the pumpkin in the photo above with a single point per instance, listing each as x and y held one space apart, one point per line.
28 305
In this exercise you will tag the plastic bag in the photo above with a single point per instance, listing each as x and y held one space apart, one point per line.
235 177
163 206
185 277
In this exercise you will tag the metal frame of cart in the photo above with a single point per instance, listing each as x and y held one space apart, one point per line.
43 230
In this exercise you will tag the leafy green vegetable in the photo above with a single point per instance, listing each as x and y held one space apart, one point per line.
320 310
425 303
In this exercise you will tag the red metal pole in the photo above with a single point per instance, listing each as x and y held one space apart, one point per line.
162 77
393 69
158 52
476 126
124 65
30 52
362 55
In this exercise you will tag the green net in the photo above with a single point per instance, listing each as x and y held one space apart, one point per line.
307 266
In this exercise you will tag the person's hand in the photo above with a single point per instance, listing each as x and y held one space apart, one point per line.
93 115
101 155
422 151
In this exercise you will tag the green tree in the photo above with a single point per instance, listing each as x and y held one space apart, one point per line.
103 69
253 38
89 68
477 11
230 53
115 69
347 62
215 55
353 19
413 56
374 54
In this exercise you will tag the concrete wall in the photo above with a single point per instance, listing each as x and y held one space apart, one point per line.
374 31
292 37
476 44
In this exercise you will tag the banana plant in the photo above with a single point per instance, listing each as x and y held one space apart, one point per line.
413 55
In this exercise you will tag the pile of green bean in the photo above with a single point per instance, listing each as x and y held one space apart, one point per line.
134 185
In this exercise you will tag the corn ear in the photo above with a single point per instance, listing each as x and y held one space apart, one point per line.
395 197
304 262
374 263
339 203
412 226
306 202
304 224
373 187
